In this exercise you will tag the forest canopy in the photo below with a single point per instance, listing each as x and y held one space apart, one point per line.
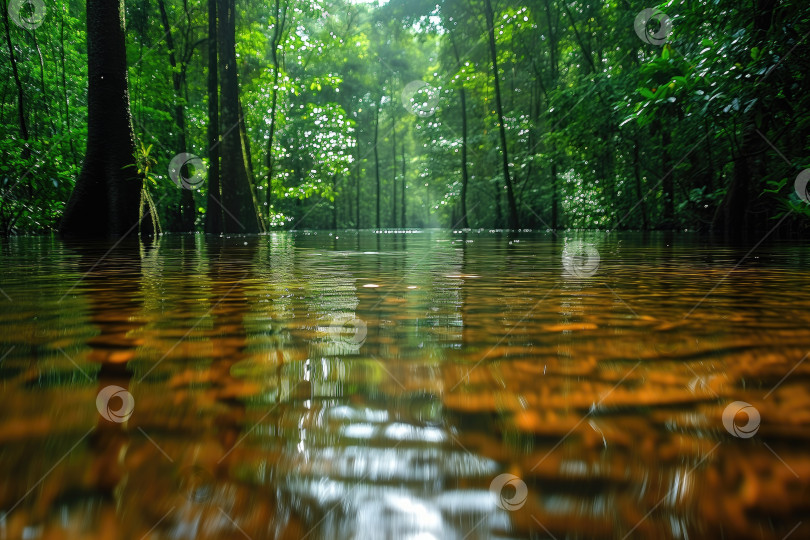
532 114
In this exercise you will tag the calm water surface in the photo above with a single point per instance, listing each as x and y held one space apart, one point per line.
345 385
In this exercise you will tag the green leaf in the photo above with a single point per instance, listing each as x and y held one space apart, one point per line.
649 94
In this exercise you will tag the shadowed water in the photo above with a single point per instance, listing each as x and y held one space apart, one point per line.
345 385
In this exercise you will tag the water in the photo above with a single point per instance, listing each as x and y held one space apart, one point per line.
345 385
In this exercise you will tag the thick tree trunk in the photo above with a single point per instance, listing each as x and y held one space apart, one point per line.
240 214
213 213
106 198
514 222
186 209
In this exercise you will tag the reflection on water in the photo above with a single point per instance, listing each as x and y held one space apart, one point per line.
421 385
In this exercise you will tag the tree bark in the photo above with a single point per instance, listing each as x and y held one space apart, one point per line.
514 222
105 200
240 214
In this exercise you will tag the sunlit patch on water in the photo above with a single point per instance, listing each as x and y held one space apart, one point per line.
433 385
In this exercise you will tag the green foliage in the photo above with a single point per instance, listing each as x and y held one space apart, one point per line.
601 126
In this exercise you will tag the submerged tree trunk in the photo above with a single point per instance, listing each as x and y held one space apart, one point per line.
213 213
106 198
186 209
240 214
514 222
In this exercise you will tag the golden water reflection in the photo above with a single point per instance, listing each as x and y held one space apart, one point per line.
303 385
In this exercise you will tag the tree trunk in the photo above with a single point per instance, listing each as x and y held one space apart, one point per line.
514 222
357 185
240 215
105 200
637 175
334 202
186 209
280 18
667 185
464 172
213 214
402 221
394 160
377 160
64 85
26 153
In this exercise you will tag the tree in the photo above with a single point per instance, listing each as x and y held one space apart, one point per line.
105 200
238 201
186 210
213 214
514 222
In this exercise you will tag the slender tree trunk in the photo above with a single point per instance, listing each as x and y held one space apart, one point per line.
357 185
43 103
186 209
26 153
394 160
464 172
240 215
279 21
106 198
377 159
637 175
403 221
64 84
514 222
213 214
334 204
667 186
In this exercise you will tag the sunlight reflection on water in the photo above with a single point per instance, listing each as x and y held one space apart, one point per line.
380 385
